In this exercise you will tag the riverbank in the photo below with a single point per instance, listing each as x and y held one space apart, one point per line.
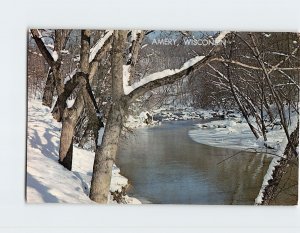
47 181
225 129
158 116
235 133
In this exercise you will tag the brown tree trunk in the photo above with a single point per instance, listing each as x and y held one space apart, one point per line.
54 80
289 153
68 127
84 98
49 89
106 153
70 116
105 156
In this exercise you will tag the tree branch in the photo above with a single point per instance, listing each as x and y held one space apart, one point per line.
169 79
169 76
38 40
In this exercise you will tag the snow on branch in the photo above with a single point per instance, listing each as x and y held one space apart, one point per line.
134 34
47 54
155 76
221 36
99 44
166 76
50 48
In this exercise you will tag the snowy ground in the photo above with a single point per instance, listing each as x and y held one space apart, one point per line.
234 133
48 181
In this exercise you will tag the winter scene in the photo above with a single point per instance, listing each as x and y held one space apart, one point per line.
162 117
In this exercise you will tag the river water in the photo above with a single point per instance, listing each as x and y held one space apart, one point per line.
164 165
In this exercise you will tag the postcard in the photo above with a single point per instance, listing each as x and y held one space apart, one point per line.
162 117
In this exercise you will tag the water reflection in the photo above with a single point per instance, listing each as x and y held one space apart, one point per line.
164 165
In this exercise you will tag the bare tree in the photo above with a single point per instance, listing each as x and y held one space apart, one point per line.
80 81
121 100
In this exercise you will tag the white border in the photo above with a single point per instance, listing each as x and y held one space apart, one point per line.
17 16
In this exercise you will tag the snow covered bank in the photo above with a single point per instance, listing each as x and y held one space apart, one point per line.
171 114
47 180
235 133
276 160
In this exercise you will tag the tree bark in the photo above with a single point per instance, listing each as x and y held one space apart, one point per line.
68 127
70 116
289 153
106 153
49 89
54 79
84 98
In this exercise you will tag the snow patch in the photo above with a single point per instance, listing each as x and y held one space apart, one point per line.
134 34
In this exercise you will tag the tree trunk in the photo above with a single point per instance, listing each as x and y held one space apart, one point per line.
289 153
105 157
84 99
68 127
106 153
70 116
49 89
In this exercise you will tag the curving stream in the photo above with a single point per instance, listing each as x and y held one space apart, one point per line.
164 165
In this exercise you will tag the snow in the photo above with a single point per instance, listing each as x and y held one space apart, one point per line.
49 47
70 102
234 133
134 34
267 35
99 44
126 76
47 180
70 76
144 46
164 114
100 136
139 121
221 36
227 133
268 176
275 161
64 51
155 76
40 34
55 55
